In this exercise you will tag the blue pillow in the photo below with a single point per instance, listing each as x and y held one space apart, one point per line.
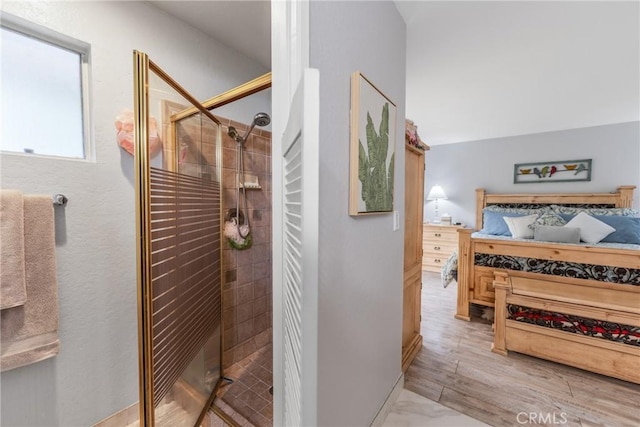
494 224
627 229
566 217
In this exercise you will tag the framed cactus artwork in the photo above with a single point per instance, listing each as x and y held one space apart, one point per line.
554 171
372 149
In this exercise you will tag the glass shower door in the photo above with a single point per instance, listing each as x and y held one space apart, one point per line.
178 227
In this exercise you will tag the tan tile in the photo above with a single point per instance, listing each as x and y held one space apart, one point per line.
260 323
245 256
245 275
261 145
259 253
263 338
267 412
229 318
245 292
228 178
229 298
244 312
245 330
256 199
261 270
261 287
260 305
229 157
228 259
229 197
261 235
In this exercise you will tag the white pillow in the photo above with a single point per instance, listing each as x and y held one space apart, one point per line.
519 225
592 230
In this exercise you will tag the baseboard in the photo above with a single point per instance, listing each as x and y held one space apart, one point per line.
124 417
388 403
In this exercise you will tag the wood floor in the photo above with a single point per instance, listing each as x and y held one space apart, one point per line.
456 368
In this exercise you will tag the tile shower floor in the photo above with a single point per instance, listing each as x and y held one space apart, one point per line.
249 394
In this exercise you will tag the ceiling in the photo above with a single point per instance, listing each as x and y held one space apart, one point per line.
242 25
478 70
485 69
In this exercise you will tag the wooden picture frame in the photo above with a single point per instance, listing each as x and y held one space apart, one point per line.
552 171
372 149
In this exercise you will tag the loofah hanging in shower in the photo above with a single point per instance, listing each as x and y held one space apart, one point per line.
232 231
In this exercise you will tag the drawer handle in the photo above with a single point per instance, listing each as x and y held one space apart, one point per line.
436 260
438 235
437 248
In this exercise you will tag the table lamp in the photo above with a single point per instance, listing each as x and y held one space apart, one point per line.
436 194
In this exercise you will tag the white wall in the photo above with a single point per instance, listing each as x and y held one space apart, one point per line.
95 373
461 168
361 259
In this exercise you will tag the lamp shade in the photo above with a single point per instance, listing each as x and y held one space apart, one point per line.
436 193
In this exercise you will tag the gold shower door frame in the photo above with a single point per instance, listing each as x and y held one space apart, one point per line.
143 172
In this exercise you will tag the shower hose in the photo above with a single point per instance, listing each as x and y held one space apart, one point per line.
240 169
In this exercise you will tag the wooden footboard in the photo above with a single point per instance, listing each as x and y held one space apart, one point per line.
476 283
586 298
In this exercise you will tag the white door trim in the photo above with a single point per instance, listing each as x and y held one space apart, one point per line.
289 57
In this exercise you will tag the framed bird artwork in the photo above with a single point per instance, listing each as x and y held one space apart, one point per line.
553 171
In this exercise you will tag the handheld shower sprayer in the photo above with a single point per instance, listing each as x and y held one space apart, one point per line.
244 229
233 133
260 119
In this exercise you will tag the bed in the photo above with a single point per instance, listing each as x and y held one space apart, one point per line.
479 255
577 304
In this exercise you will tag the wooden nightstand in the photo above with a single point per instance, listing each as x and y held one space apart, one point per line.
438 243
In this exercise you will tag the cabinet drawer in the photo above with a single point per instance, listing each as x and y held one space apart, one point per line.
439 236
434 260
445 248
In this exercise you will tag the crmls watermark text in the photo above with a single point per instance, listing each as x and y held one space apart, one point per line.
541 418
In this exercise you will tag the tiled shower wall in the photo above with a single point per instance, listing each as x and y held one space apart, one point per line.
247 281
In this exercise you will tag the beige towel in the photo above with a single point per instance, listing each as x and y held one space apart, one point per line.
12 286
30 332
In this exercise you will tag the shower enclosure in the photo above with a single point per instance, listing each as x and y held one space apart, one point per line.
204 308
179 250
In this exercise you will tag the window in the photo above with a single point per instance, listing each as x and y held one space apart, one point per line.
44 91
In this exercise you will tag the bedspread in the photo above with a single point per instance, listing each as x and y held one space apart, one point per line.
611 331
449 271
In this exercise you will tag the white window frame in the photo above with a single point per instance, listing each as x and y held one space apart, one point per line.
83 49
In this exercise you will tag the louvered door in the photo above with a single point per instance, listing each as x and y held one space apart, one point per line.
300 257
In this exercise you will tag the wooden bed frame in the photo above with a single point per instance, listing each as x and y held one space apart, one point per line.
475 283
592 299
586 298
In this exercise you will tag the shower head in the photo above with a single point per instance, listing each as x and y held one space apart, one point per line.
261 119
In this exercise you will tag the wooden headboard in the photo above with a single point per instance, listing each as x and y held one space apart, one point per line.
621 198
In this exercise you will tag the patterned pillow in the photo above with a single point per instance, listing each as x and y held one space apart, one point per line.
570 210
449 271
548 218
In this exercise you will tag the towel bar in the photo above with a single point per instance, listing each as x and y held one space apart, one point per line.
60 200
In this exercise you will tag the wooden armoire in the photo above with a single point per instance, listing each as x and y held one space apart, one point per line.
413 207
